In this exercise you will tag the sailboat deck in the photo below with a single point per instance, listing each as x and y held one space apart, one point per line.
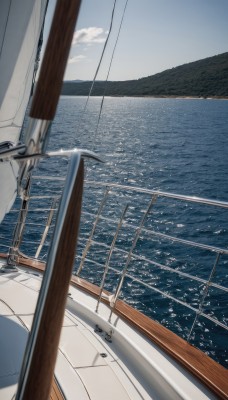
85 365
128 367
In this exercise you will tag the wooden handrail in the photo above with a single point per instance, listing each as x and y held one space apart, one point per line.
49 85
40 357
56 393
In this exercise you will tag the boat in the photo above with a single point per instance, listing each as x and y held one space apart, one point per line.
61 336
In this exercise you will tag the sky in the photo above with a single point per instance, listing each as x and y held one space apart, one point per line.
156 35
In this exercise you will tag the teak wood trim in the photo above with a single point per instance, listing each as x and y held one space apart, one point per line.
212 374
37 384
54 62
56 393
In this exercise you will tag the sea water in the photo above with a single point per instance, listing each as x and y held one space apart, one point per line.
171 145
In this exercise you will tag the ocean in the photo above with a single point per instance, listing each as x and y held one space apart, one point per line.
171 145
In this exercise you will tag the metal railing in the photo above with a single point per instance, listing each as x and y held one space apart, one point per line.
140 230
113 236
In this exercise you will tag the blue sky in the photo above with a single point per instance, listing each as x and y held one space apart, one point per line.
156 35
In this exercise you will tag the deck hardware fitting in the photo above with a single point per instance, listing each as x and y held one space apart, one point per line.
98 329
7 269
103 355
108 336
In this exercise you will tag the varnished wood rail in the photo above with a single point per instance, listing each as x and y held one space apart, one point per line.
40 356
52 316
56 393
49 85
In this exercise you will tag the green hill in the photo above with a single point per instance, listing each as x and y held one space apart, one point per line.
203 78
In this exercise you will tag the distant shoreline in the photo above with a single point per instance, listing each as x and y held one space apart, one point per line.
202 79
187 97
156 97
182 97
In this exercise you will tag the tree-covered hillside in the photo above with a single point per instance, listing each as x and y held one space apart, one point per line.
203 78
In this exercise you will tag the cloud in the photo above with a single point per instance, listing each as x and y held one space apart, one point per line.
89 35
76 59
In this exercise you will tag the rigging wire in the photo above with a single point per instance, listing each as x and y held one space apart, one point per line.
110 64
98 67
103 51
6 25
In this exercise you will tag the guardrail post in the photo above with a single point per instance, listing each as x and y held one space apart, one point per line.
110 255
205 292
137 233
89 241
48 224
19 229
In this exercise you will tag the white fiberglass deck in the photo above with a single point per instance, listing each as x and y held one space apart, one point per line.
88 366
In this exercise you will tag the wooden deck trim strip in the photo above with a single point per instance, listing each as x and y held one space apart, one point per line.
204 368
212 374
56 393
